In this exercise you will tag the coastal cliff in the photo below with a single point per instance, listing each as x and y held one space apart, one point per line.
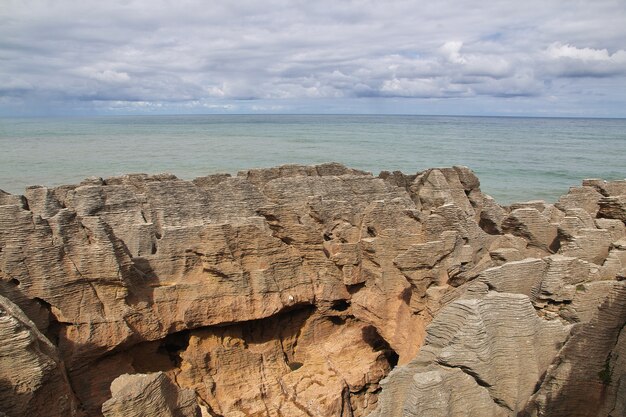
311 290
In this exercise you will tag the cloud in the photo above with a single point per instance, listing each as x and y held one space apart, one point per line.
412 88
104 75
451 50
283 54
557 50
570 61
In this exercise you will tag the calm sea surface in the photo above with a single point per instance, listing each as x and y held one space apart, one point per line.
516 159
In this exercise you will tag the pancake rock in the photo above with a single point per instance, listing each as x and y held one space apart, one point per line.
296 290
149 395
558 336
498 343
33 378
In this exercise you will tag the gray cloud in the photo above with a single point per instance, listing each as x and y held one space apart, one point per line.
288 55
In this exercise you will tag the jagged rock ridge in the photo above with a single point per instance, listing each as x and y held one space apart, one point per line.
295 290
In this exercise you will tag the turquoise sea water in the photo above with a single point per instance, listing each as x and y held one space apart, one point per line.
516 159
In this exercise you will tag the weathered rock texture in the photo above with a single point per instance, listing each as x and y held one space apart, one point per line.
149 395
496 339
534 336
295 291
33 379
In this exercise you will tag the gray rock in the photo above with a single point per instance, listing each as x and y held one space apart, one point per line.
607 188
586 198
591 245
149 395
112 269
519 277
497 342
613 207
530 224
586 379
33 381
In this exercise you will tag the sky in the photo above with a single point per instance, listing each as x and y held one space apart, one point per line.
516 58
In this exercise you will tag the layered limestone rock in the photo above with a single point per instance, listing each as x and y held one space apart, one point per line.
303 362
295 290
568 361
587 377
32 376
496 340
143 395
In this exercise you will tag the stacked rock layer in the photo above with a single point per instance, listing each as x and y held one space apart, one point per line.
313 291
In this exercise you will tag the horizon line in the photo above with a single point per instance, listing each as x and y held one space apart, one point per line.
69 116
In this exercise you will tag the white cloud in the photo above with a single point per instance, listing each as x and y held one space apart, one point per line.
558 50
105 75
191 53
570 61
452 51
411 88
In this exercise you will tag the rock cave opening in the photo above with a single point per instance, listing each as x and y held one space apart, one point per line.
379 344
173 344
340 305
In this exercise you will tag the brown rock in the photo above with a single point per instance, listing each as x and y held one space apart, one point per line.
607 188
7 199
573 222
491 214
586 379
33 381
516 244
518 277
585 300
532 226
562 279
539 205
616 228
591 245
437 187
42 201
613 207
149 395
586 198
295 289
292 364
475 336
615 263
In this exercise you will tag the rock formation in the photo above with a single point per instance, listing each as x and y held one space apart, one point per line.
33 381
149 395
311 290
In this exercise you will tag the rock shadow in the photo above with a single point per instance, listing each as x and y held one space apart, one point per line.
584 380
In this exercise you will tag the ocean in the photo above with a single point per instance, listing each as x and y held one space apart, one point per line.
516 159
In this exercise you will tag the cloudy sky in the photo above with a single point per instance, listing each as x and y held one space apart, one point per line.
531 57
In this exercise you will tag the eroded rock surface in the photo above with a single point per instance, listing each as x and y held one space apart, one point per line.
497 340
296 290
32 376
149 395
